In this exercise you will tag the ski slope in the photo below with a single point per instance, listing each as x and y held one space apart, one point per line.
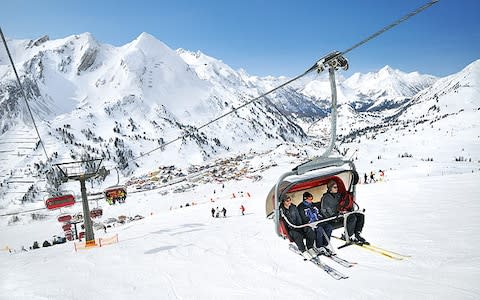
184 253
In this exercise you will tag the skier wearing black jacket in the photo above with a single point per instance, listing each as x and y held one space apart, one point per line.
290 212
329 208
310 212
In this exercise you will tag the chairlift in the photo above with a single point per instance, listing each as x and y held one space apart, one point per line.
314 175
115 194
63 218
96 212
67 227
60 200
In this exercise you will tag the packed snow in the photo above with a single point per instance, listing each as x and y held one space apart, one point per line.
184 253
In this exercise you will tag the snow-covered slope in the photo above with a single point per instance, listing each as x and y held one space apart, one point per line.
185 253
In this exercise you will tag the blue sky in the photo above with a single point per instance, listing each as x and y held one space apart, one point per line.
269 37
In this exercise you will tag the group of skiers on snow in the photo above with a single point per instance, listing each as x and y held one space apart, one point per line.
216 212
56 240
371 178
318 238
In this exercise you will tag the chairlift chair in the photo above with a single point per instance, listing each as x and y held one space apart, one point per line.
59 200
96 212
314 175
64 217
116 193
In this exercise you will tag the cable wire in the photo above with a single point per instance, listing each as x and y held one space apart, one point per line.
23 92
222 116
388 27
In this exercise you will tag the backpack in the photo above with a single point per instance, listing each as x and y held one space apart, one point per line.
346 203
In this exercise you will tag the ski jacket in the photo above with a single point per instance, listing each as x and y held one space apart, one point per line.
329 204
292 215
309 212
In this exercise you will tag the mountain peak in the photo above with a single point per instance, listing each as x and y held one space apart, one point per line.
146 40
87 37
146 36
150 45
473 67
387 70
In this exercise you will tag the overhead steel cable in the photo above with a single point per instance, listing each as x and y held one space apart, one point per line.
323 61
388 27
23 92
222 116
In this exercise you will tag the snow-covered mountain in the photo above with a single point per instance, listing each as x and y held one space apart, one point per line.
451 102
288 100
96 100
96 96
387 88
375 91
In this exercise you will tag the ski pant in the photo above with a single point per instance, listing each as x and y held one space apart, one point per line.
298 234
355 223
321 240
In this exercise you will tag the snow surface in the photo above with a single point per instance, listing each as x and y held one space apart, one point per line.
186 254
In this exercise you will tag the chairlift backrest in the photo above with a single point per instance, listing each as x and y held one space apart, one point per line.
67 227
60 201
63 218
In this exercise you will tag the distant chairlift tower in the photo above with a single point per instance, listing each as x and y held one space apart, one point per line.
81 171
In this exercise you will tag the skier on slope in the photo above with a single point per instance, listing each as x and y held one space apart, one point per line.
372 177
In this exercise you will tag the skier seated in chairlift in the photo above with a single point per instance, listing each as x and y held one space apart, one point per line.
331 206
310 212
290 212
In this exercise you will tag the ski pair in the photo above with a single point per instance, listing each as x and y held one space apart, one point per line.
384 252
316 260
343 262
333 256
